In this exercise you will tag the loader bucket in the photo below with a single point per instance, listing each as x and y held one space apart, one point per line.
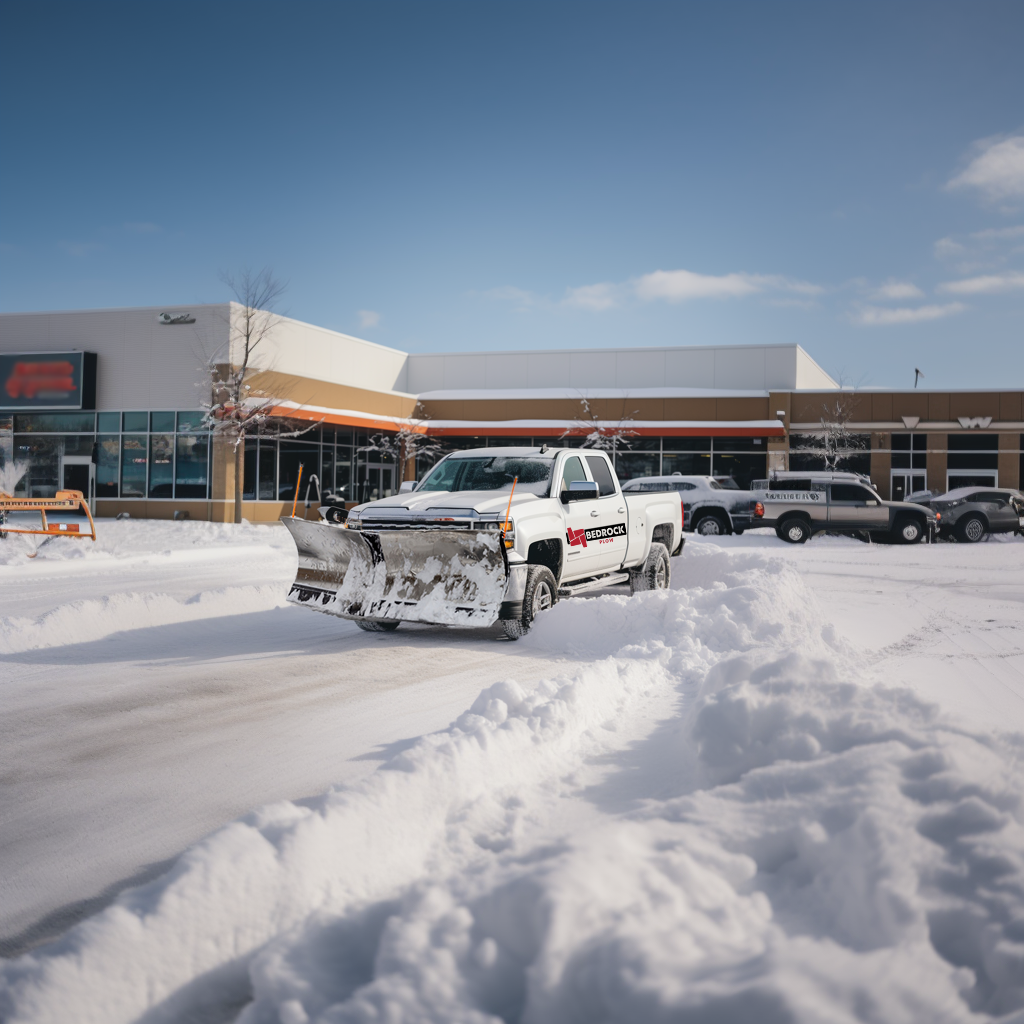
451 577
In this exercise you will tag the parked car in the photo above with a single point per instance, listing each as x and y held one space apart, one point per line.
710 508
798 505
969 513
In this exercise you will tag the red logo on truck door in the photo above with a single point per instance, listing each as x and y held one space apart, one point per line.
579 538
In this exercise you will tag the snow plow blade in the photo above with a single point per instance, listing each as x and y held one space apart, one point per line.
449 577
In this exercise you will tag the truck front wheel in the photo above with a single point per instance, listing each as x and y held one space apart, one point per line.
794 531
540 594
654 574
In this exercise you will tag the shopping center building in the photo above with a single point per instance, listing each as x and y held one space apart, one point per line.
113 402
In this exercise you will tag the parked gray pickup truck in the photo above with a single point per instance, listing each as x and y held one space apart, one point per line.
800 505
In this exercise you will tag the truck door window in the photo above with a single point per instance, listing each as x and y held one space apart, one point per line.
602 475
572 470
851 492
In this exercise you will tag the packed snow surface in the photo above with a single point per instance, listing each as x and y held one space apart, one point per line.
764 795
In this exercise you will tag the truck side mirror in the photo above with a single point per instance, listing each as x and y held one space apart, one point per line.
580 490
406 486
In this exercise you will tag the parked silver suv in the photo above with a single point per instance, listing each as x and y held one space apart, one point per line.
711 507
969 513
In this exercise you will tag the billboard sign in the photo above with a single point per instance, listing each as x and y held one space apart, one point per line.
47 380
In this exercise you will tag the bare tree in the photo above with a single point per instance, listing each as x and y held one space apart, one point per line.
600 435
236 409
410 441
835 443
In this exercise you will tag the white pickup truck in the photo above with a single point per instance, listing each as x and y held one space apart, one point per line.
463 548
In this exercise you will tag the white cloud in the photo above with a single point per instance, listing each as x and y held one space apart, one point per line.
997 170
948 247
368 318
683 285
986 284
875 316
593 296
667 285
509 293
999 234
898 290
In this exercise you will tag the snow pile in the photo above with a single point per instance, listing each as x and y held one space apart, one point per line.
132 538
82 621
713 818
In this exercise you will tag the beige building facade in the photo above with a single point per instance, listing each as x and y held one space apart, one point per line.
114 401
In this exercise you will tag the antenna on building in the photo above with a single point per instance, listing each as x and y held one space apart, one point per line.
918 375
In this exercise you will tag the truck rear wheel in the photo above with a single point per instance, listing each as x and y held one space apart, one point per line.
654 574
540 594
711 525
794 531
377 625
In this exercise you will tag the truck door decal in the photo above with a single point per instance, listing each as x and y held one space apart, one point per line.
579 538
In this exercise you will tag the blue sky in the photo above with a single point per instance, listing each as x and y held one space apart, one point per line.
451 176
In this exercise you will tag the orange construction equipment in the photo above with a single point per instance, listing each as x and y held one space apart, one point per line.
65 501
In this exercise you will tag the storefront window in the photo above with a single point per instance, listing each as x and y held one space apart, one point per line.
42 478
633 464
327 469
687 444
973 451
739 444
192 465
740 467
133 466
685 463
292 454
342 486
909 451
55 423
268 470
161 466
249 476
108 462
136 422
108 422
161 421
191 420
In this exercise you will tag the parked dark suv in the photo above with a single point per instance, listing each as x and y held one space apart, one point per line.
968 513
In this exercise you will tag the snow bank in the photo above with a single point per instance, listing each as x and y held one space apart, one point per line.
132 538
82 621
715 817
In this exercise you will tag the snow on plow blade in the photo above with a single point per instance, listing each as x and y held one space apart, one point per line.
452 577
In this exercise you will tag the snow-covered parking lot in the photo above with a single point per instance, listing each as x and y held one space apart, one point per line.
789 789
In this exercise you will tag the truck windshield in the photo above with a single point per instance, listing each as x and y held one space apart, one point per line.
491 474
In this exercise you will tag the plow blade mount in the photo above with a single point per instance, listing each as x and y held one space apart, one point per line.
451 577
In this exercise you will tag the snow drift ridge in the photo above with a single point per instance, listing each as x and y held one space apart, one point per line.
713 818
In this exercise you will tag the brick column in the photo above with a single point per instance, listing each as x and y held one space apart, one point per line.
937 444
222 480
1009 460
881 463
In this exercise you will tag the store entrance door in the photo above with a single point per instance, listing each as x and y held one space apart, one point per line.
906 483
375 481
78 473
